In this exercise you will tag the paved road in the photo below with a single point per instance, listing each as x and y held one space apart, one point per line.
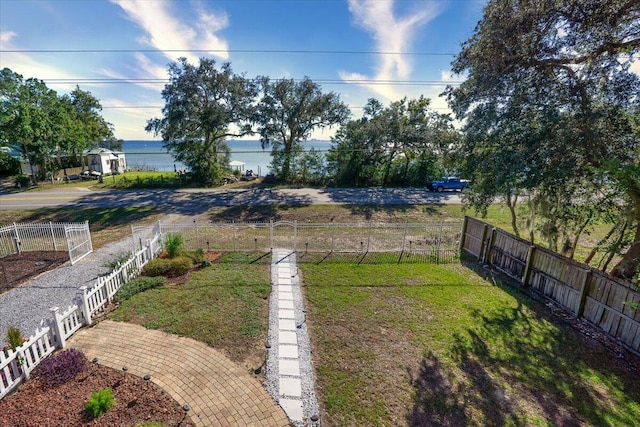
192 201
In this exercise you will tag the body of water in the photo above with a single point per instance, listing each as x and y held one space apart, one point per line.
150 155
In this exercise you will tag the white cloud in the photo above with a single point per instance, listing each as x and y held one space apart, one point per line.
165 31
390 34
28 66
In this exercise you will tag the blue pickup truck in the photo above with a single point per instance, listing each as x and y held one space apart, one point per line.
448 183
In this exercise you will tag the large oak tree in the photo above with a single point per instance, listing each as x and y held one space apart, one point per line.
549 93
204 106
289 112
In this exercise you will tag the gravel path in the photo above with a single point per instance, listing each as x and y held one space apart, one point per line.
28 307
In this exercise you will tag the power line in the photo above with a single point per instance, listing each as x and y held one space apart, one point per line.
297 51
325 81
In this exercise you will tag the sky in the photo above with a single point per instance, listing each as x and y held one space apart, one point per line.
119 50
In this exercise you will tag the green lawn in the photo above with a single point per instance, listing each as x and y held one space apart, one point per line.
423 344
224 305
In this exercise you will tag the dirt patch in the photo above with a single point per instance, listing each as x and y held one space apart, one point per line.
136 402
18 268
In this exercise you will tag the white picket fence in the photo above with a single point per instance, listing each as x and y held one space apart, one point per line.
16 365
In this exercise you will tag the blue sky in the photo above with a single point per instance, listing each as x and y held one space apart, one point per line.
119 49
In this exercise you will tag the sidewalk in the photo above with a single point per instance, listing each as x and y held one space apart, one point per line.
219 392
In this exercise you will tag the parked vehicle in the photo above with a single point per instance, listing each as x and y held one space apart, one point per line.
448 183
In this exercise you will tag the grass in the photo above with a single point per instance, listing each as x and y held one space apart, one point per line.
224 305
106 224
438 345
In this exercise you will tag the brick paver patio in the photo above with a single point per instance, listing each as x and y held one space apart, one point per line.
219 392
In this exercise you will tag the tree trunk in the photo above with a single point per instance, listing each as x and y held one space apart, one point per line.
629 265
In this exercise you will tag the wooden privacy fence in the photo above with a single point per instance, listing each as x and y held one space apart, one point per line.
592 295
16 365
433 242
73 237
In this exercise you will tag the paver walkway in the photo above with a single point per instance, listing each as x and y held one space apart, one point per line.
219 392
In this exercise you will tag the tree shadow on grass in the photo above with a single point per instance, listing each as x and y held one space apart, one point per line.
436 402
98 218
519 365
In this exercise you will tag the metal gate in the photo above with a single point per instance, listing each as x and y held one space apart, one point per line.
284 235
78 241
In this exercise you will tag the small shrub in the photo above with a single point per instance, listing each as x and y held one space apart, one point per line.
23 181
137 285
99 402
118 260
14 337
173 244
168 267
61 367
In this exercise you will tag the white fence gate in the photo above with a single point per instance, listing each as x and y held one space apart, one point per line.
78 241
73 237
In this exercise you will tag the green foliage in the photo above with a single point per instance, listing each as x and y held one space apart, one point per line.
288 113
8 165
14 337
404 144
100 402
45 124
118 260
201 103
23 181
137 285
549 92
173 244
172 267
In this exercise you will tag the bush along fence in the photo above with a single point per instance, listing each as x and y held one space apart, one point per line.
592 295
74 238
362 242
17 364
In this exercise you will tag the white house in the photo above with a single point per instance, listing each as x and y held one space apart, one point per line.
106 162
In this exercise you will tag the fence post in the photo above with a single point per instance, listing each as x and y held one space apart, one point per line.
295 235
85 306
463 235
23 362
526 276
492 238
149 250
584 290
404 238
53 237
271 234
58 327
197 234
16 239
86 224
482 242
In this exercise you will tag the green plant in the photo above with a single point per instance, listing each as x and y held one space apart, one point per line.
23 181
118 260
173 244
99 402
168 267
14 337
137 285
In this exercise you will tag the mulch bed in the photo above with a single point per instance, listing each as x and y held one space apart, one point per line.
18 268
136 402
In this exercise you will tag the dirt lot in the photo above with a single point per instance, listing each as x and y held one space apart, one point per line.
18 268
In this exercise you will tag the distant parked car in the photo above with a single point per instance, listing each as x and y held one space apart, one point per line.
448 183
